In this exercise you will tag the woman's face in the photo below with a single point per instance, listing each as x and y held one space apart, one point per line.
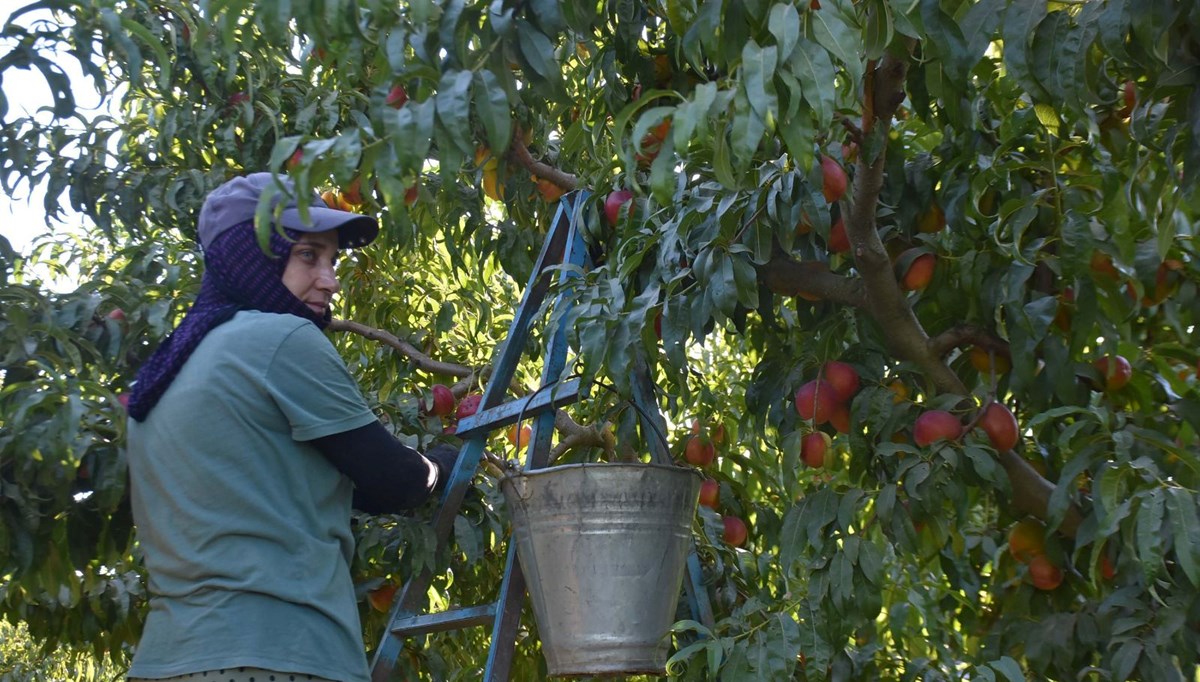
309 273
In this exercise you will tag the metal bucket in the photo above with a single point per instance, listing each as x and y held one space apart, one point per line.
603 548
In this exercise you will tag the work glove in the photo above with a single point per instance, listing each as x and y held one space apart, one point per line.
444 458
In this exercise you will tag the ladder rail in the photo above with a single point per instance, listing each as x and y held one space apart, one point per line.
564 246
414 594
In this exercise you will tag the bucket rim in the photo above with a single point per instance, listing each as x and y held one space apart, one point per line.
592 465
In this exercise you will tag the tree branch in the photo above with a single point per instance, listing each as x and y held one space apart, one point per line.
421 360
889 306
886 302
519 154
789 277
575 435
963 334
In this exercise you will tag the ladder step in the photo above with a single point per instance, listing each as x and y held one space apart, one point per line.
447 620
543 400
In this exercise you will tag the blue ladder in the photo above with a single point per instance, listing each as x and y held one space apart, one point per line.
564 246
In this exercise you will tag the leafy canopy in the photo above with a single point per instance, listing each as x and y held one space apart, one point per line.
1045 154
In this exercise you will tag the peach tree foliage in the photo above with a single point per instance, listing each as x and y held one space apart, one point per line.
1059 141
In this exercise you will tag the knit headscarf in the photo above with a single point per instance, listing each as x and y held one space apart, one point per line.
238 275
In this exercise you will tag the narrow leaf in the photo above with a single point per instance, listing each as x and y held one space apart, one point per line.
1186 532
785 26
1149 533
758 69
491 105
453 108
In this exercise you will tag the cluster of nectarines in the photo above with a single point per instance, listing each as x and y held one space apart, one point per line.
825 399
735 530
1027 544
996 421
701 450
443 404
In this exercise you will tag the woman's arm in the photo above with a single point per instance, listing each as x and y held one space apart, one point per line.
388 476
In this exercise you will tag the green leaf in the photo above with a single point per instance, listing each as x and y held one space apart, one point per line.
1149 533
1185 526
870 562
822 512
745 279
1060 498
410 132
691 117
841 579
1009 668
538 51
916 476
784 24
492 107
1020 24
722 163
983 462
796 127
1126 658
793 534
813 68
758 73
454 109
834 31
745 134
979 25
1058 414
117 33
848 509
946 37
548 15
879 30
885 502
466 539
722 286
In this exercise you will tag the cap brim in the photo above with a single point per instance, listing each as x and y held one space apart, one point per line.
354 229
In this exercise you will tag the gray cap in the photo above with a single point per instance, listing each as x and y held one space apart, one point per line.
236 201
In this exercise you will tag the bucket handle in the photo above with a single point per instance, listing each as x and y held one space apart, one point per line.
646 418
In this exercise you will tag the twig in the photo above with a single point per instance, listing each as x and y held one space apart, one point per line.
856 133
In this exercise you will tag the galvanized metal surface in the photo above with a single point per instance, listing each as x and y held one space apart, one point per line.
604 549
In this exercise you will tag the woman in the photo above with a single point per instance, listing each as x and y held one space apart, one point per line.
249 442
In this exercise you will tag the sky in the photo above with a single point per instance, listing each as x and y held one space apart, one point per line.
22 219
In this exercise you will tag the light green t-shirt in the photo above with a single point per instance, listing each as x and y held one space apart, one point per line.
245 527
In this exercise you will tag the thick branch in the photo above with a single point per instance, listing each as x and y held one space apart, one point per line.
964 334
575 435
888 304
788 277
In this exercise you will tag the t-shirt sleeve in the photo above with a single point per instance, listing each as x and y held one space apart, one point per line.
313 388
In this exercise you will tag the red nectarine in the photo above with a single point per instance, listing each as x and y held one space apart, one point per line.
935 425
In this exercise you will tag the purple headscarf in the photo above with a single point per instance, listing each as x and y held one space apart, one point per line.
238 275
